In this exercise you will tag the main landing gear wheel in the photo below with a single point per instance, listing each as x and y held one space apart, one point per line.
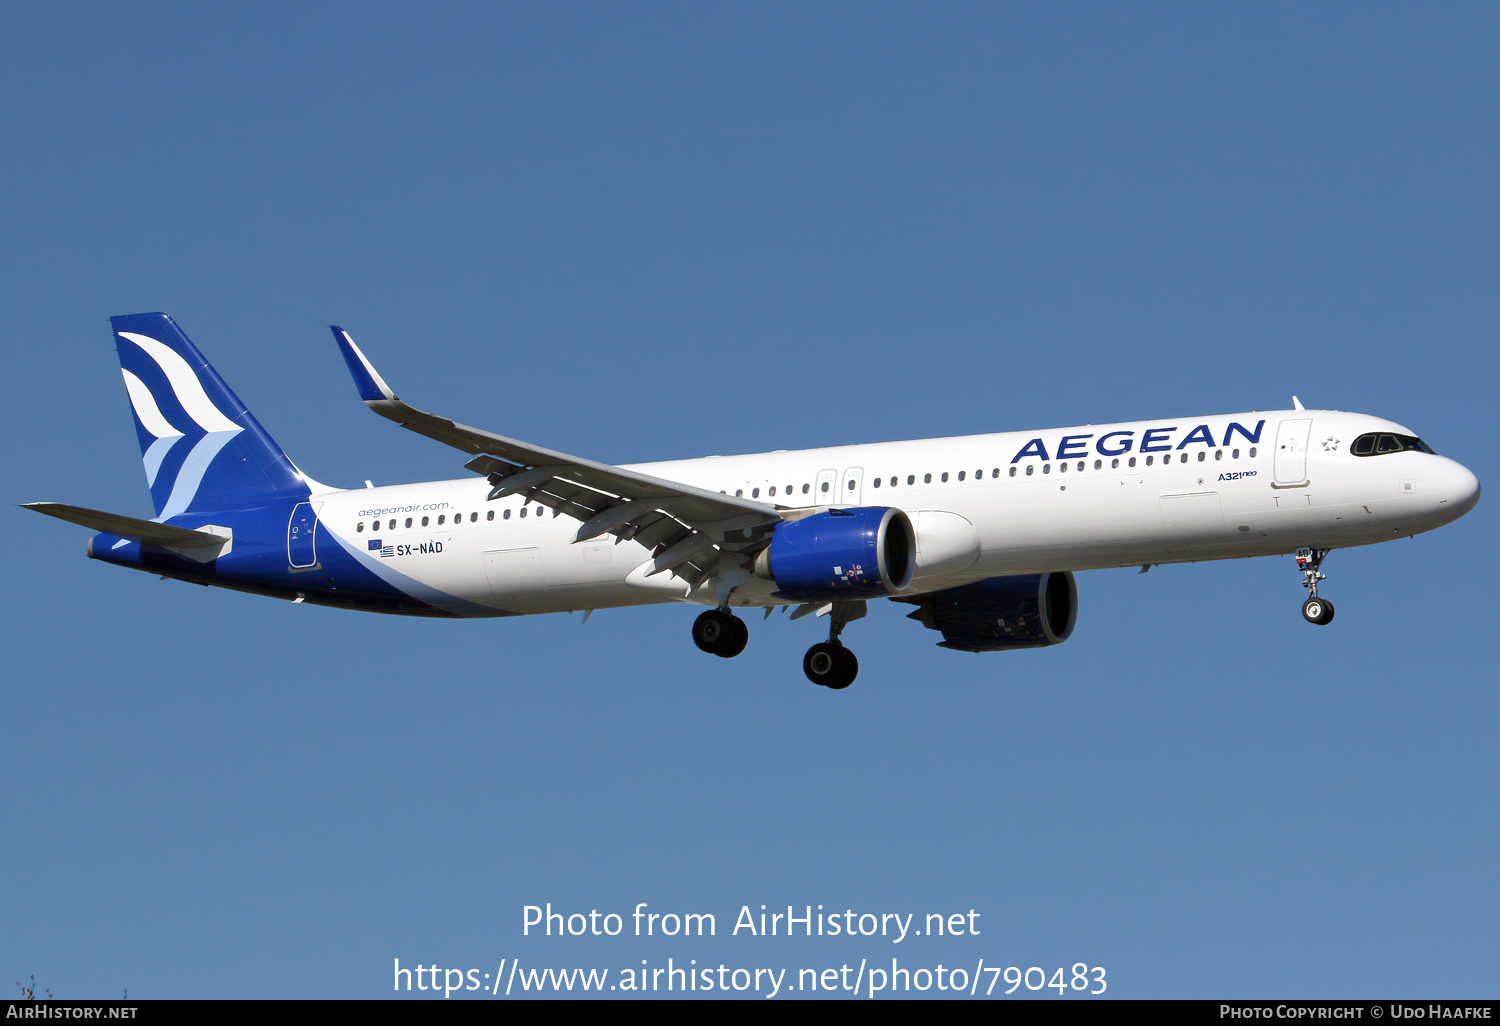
830 664
1317 610
720 633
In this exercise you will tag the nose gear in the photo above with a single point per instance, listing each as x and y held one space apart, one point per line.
1310 561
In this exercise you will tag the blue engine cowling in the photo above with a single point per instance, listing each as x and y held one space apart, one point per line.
1026 611
864 552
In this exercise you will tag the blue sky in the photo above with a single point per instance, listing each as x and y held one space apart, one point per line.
662 231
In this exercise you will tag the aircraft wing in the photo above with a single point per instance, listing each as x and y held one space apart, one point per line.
687 529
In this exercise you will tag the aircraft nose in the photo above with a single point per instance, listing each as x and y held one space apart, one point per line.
1460 489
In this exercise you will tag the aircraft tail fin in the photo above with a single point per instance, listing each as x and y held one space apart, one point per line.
203 450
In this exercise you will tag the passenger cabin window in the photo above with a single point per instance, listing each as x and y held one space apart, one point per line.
960 475
945 477
1012 471
359 528
1029 468
911 479
893 482
927 479
506 514
877 482
489 515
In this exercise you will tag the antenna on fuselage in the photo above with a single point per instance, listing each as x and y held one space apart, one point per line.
1297 404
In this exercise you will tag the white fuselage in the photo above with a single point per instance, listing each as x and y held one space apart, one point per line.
1082 498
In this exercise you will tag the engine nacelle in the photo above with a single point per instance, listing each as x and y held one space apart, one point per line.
859 553
1027 611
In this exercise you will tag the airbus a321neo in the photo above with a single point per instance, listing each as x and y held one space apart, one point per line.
980 534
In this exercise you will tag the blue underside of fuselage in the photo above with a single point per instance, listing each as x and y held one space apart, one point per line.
259 562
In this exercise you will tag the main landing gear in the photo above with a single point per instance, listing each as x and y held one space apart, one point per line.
829 663
721 633
1314 610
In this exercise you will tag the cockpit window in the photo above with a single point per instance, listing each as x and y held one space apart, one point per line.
1378 444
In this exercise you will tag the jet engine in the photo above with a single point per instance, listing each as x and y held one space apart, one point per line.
859 553
1026 611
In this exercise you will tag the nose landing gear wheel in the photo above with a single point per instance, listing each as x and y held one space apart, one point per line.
1317 610
720 633
830 664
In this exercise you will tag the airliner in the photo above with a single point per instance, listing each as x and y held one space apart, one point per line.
981 534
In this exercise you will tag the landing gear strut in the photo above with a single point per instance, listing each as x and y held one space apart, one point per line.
1314 610
721 633
829 663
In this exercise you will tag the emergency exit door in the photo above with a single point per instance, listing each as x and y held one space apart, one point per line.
852 484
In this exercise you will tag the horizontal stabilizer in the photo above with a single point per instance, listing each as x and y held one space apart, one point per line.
146 531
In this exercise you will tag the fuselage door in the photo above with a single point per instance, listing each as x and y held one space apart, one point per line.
853 483
1291 451
825 492
302 536
517 576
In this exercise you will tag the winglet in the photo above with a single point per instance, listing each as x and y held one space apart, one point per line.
371 386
